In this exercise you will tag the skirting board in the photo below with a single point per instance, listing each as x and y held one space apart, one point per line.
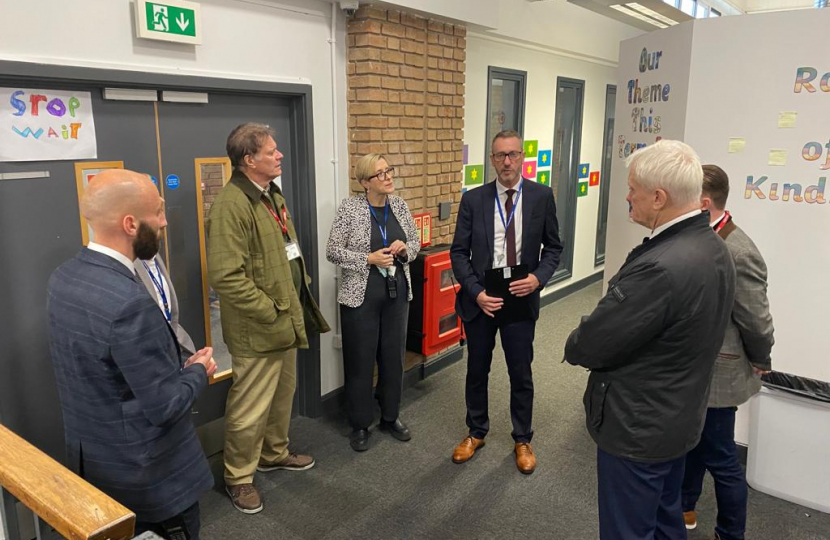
570 289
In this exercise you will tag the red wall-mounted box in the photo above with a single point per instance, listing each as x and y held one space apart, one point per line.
433 322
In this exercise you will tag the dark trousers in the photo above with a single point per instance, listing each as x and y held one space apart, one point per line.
375 332
716 452
639 501
517 343
187 521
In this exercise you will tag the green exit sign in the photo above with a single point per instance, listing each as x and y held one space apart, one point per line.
169 20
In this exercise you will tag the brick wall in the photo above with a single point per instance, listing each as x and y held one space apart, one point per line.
212 182
406 101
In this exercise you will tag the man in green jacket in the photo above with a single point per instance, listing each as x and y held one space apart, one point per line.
256 267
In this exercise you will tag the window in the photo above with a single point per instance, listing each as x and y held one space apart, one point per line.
702 11
688 7
505 107
605 174
567 135
714 13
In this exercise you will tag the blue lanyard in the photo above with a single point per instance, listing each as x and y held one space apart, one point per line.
385 220
160 288
512 210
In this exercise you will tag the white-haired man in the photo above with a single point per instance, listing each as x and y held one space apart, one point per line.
651 345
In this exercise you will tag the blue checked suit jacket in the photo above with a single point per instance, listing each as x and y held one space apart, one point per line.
125 397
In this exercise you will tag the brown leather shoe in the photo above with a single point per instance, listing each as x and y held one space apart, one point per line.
245 498
690 519
525 460
292 462
464 451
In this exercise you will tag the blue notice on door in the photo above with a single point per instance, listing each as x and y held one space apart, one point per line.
154 179
172 181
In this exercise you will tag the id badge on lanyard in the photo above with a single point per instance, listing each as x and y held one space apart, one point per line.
292 250
385 272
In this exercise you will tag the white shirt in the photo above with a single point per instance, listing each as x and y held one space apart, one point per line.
264 190
678 219
499 243
154 270
114 254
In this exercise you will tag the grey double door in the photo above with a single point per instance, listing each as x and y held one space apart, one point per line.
41 227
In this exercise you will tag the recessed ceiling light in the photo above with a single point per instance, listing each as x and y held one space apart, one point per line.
651 13
637 15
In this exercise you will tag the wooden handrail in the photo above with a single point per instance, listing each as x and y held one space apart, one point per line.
75 508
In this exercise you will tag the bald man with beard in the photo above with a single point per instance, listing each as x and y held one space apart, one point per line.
125 390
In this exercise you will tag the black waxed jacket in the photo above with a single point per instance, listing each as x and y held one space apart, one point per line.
651 343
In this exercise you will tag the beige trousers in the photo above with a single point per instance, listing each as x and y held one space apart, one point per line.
258 412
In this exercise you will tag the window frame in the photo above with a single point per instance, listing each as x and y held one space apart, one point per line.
570 202
506 74
605 173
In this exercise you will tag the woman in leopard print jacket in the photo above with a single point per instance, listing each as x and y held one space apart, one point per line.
372 240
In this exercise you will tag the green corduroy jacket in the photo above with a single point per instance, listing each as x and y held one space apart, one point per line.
248 268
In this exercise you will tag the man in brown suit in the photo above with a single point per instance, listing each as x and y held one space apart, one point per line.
743 358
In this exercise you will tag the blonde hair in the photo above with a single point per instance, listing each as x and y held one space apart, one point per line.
365 166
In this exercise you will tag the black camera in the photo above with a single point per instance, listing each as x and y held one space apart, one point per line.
392 286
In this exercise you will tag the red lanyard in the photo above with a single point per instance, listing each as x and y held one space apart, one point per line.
726 217
282 221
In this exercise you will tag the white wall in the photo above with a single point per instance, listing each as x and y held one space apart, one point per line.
252 40
482 13
791 235
674 44
560 41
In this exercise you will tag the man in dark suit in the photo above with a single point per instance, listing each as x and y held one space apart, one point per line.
651 344
124 389
503 224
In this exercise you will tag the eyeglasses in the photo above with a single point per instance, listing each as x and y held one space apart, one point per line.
388 173
501 155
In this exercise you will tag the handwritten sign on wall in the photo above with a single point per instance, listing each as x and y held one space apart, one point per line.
46 125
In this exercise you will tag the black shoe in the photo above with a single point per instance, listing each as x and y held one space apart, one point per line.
359 440
397 429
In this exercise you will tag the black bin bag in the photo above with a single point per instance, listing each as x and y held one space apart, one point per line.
800 386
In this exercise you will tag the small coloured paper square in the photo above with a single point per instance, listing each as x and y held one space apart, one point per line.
786 119
543 177
594 178
584 168
473 175
736 145
531 148
529 170
582 189
777 158
544 158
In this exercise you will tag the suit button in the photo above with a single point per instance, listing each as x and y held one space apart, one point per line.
602 385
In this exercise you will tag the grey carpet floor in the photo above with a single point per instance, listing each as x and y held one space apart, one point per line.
414 491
